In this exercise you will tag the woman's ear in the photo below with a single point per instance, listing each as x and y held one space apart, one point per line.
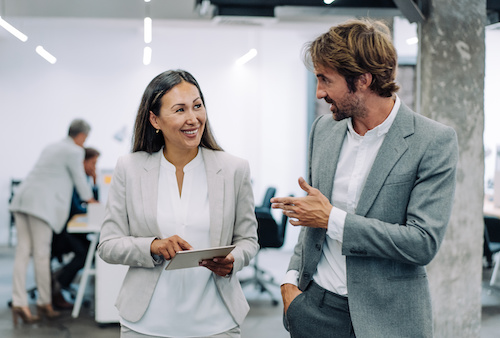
154 120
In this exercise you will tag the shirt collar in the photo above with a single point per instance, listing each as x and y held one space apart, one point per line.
191 165
382 128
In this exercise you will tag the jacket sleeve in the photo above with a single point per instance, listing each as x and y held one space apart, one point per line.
116 245
245 225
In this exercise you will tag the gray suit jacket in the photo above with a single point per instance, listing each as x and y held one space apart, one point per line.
130 225
398 226
47 190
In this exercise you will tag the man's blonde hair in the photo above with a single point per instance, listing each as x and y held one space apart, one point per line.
355 48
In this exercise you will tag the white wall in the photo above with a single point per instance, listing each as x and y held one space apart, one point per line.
258 112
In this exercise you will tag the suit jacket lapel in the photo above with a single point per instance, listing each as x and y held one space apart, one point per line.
149 188
324 161
331 151
215 181
393 147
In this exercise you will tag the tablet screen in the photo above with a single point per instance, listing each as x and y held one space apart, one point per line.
192 258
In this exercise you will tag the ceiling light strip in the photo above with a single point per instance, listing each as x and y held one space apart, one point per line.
247 57
146 59
12 30
46 55
148 29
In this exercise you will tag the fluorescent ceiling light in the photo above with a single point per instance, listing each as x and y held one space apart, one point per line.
12 30
46 55
328 2
148 29
247 57
147 0
146 59
412 41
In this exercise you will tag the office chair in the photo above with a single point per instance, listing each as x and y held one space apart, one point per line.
266 202
13 186
491 244
270 235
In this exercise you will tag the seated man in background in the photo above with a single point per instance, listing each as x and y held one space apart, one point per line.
77 243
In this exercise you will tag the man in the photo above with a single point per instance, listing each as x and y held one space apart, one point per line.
40 206
65 242
382 181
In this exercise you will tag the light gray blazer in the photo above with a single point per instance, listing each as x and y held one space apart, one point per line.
399 224
130 225
47 190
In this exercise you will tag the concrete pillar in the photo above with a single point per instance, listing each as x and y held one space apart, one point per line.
452 53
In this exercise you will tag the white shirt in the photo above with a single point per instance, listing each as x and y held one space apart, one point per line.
186 302
355 162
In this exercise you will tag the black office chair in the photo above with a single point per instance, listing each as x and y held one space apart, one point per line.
266 202
270 235
491 239
13 186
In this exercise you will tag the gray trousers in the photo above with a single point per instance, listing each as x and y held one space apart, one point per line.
319 313
125 332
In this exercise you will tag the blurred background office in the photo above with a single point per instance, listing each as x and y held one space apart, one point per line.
260 110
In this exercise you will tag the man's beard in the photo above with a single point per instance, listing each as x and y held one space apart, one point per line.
350 106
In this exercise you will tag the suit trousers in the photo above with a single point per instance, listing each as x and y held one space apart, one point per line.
319 313
34 238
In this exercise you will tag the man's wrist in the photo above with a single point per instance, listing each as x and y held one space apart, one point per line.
291 277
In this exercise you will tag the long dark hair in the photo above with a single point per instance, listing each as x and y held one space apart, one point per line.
145 137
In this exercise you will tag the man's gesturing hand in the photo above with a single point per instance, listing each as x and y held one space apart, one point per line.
312 210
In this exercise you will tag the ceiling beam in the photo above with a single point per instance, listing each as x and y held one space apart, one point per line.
411 10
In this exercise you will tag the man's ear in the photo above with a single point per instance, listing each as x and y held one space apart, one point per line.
154 120
364 81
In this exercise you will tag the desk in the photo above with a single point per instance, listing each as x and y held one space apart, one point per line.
489 209
108 277
79 224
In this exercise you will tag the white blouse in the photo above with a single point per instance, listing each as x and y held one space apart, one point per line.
186 302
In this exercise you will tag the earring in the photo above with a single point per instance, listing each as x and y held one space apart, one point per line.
157 131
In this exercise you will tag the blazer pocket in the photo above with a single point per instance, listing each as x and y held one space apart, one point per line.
406 278
399 178
405 272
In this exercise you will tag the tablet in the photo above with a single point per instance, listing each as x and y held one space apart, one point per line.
192 258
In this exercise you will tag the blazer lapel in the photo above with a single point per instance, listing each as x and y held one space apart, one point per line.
331 150
393 147
149 188
215 181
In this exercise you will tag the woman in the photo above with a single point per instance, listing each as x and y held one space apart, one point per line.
41 205
178 190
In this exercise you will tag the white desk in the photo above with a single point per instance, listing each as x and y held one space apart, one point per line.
108 277
79 224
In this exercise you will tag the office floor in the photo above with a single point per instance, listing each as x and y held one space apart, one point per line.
263 321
